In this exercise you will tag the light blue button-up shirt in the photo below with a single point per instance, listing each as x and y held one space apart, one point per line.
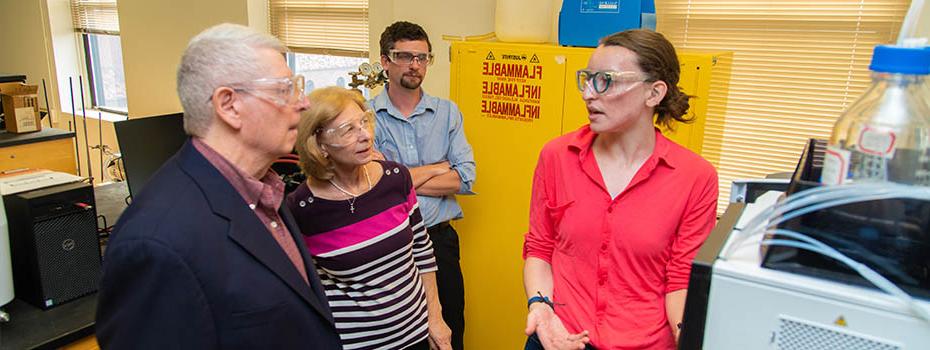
432 134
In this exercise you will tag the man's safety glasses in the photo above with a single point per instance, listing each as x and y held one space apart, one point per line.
407 57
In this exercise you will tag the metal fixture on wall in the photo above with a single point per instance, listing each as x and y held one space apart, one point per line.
368 75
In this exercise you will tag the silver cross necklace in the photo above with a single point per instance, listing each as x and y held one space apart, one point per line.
352 196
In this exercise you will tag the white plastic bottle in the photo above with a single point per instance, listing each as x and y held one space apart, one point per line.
885 135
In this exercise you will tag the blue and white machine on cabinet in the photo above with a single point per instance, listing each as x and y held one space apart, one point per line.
583 22
843 267
753 307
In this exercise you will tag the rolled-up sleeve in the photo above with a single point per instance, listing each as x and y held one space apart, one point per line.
539 242
698 221
460 154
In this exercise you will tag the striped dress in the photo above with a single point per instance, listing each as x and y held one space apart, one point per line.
370 261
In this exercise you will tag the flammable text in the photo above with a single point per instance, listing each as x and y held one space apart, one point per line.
512 70
510 109
511 90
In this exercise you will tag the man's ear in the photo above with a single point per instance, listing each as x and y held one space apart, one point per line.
227 107
657 91
384 61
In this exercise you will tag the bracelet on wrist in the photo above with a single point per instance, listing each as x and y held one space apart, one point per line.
540 299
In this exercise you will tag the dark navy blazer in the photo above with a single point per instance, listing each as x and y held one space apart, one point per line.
190 266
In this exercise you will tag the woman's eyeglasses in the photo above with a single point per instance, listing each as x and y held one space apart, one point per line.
349 132
601 81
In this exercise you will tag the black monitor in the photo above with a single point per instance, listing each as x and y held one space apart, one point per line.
146 143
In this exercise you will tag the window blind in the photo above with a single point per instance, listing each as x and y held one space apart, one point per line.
329 27
797 65
95 16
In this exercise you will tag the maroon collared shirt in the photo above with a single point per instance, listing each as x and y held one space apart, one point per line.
264 196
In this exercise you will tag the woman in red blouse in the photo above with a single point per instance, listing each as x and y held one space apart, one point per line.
618 211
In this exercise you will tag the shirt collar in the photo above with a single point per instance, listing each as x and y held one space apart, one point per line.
582 141
382 102
250 188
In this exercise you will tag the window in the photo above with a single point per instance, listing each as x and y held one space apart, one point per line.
325 70
797 65
329 38
98 24
105 70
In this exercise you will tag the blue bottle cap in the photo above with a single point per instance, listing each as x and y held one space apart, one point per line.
903 60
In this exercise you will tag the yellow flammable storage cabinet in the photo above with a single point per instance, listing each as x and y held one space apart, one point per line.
515 98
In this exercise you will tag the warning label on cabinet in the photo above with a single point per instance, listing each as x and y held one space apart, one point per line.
511 87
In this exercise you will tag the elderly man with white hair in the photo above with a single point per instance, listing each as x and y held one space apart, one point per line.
206 257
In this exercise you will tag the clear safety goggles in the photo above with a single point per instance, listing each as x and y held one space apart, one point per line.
349 132
601 82
407 57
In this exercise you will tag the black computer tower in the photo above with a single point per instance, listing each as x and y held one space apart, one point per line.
54 244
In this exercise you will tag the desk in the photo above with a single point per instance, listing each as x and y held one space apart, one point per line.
50 148
32 328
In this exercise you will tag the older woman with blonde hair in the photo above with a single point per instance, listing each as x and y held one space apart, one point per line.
362 226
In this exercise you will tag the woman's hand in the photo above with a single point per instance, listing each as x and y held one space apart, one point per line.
440 335
550 330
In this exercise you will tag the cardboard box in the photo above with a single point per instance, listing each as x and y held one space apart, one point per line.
21 108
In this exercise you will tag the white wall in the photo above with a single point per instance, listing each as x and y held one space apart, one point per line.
923 24
26 49
154 34
68 54
258 15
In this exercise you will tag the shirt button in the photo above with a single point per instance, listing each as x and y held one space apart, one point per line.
252 206
610 209
601 282
604 246
274 224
